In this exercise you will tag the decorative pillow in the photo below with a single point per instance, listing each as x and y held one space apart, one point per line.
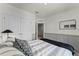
23 46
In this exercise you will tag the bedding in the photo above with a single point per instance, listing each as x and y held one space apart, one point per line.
7 49
10 51
7 44
10 39
60 44
43 48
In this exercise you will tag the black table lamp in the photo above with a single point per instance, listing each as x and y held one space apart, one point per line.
7 31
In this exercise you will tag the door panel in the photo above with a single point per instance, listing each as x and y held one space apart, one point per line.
40 30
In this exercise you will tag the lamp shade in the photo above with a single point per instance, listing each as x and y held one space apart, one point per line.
7 31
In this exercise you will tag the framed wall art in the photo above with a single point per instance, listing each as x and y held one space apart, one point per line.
67 24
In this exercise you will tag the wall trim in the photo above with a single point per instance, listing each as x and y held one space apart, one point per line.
63 34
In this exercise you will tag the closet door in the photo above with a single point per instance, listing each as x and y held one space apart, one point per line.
11 23
27 27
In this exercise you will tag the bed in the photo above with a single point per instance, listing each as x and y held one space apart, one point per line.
6 49
47 47
42 47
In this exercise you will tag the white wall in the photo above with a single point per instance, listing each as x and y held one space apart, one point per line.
52 28
40 21
52 23
22 23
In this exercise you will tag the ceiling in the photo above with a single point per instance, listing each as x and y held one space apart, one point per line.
44 10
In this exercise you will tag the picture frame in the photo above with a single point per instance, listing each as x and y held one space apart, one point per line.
67 24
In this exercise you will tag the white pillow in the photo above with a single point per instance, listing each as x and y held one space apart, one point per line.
1 40
9 44
10 39
4 37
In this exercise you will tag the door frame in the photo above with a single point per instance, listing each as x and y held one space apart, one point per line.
36 30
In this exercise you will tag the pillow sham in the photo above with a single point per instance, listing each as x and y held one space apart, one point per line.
7 44
23 46
10 39
1 40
